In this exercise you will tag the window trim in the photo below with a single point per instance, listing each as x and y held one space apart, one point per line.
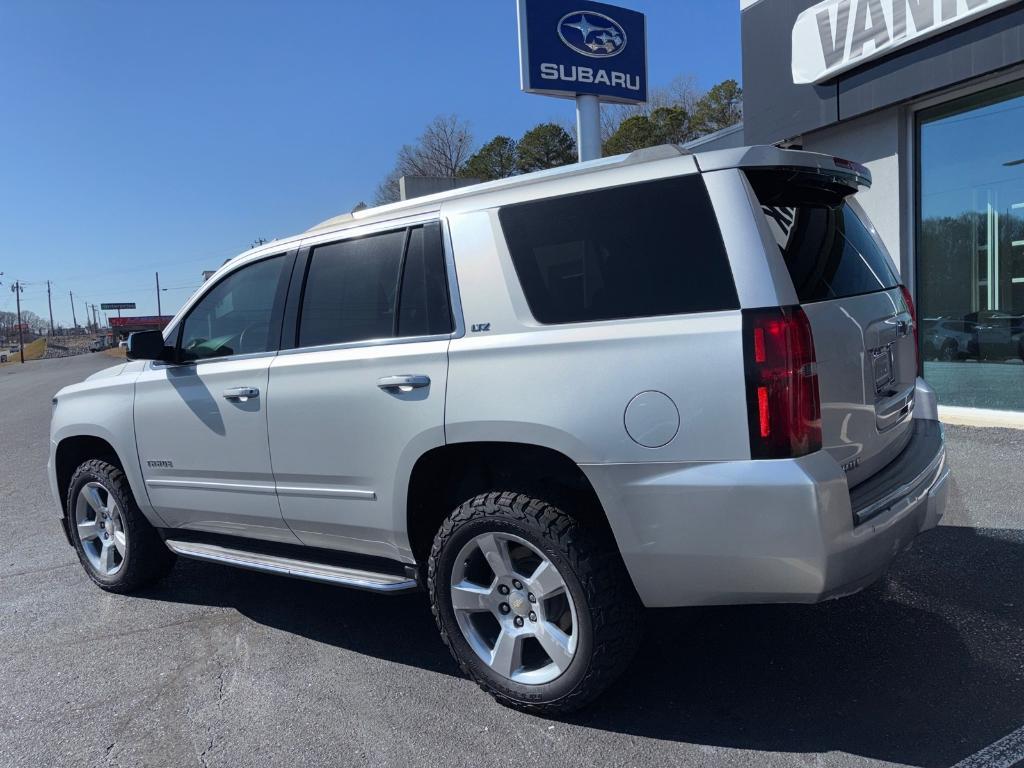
296 293
276 312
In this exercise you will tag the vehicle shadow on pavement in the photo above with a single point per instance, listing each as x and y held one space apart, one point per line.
922 669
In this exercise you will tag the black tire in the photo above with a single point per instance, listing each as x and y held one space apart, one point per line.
146 557
949 351
608 610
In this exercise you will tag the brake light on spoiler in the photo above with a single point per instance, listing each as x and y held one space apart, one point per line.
783 406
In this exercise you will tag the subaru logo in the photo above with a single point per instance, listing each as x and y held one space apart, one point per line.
592 34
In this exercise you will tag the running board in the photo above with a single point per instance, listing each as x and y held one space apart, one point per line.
299 569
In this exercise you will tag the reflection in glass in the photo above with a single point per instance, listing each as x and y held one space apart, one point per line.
970 249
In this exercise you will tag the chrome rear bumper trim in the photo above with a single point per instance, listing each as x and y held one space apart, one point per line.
300 569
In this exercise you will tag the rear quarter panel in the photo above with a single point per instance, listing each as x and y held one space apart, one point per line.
566 387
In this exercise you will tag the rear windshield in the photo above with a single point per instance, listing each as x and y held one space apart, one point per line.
633 251
827 247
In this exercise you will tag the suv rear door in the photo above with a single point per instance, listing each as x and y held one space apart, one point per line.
861 323
360 394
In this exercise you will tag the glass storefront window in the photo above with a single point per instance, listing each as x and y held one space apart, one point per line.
970 249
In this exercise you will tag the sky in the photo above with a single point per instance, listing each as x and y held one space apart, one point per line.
138 137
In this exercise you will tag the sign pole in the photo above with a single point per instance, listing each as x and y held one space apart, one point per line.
588 126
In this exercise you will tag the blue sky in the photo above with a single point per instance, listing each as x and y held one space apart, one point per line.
144 136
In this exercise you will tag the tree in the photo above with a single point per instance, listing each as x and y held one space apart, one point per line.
387 191
360 206
664 125
497 159
441 150
681 92
32 322
719 108
547 145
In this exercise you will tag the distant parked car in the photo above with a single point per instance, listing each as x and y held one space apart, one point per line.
3 357
998 335
948 338
97 345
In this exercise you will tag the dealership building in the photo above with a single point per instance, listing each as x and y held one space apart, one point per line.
929 95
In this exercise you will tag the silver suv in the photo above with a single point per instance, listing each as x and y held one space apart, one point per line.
658 379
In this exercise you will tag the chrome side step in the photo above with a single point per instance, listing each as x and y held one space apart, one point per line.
299 569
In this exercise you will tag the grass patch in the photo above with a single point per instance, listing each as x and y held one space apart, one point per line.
33 351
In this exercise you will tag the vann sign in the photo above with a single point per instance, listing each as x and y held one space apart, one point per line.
836 35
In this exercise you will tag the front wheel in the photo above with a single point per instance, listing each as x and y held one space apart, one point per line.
534 606
118 547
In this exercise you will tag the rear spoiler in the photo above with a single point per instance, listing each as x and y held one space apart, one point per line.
837 171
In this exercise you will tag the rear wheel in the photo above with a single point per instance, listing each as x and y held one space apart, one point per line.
949 351
117 546
535 607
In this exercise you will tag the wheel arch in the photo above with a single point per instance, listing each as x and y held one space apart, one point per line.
71 452
445 476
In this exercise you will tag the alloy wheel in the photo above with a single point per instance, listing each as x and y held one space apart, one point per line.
514 608
101 530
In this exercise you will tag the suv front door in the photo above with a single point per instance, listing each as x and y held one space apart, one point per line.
201 422
360 396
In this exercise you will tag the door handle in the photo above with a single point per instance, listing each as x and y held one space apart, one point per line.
241 393
403 383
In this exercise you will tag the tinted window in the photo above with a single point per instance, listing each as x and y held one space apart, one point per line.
634 251
828 249
351 290
423 304
234 317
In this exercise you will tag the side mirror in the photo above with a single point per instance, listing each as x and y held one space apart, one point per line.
147 345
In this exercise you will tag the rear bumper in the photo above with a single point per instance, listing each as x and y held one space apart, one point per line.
768 531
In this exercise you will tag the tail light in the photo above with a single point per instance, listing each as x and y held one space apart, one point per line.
913 319
783 408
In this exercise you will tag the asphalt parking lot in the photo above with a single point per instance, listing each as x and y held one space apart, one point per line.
220 667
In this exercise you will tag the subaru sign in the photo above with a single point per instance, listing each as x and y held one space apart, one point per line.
570 48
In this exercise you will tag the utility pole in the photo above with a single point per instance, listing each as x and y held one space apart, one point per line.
86 314
158 312
74 320
95 319
49 301
21 338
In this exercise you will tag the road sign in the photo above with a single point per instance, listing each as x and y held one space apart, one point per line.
118 305
569 48
149 321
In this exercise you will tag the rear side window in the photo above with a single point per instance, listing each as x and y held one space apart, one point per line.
351 290
424 308
827 248
376 287
634 251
